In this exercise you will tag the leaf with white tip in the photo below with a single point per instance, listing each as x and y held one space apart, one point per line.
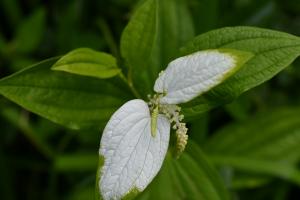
132 156
190 76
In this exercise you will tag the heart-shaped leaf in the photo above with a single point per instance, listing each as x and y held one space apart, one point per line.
132 156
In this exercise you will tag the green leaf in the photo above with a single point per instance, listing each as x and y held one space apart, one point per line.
267 144
175 28
260 166
87 62
138 39
76 162
273 135
30 32
273 51
7 188
190 177
153 38
82 193
77 102
247 181
205 13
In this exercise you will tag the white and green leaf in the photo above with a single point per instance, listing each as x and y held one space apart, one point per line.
190 76
132 156
87 62
273 51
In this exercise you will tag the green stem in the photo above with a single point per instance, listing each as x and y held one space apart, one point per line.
130 84
112 45
21 121
35 141
114 49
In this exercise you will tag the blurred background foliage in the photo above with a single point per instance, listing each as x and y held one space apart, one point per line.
254 142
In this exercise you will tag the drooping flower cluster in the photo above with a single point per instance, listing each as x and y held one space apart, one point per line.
172 112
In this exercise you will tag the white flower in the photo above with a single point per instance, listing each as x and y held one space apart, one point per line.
136 138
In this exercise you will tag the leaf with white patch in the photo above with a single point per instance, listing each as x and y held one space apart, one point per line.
190 76
132 156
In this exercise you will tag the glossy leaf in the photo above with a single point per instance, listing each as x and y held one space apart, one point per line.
88 62
273 51
71 100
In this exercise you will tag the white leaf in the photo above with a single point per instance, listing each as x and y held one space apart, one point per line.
132 157
188 77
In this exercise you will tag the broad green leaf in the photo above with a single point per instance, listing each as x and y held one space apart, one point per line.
19 62
199 128
273 51
137 42
278 169
273 135
71 100
88 62
132 156
175 28
30 32
190 76
266 144
190 177
153 38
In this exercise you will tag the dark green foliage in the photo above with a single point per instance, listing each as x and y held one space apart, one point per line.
248 149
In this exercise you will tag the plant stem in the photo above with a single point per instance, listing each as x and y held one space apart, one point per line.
130 84
109 38
21 121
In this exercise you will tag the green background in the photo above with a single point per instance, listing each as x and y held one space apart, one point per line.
253 142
